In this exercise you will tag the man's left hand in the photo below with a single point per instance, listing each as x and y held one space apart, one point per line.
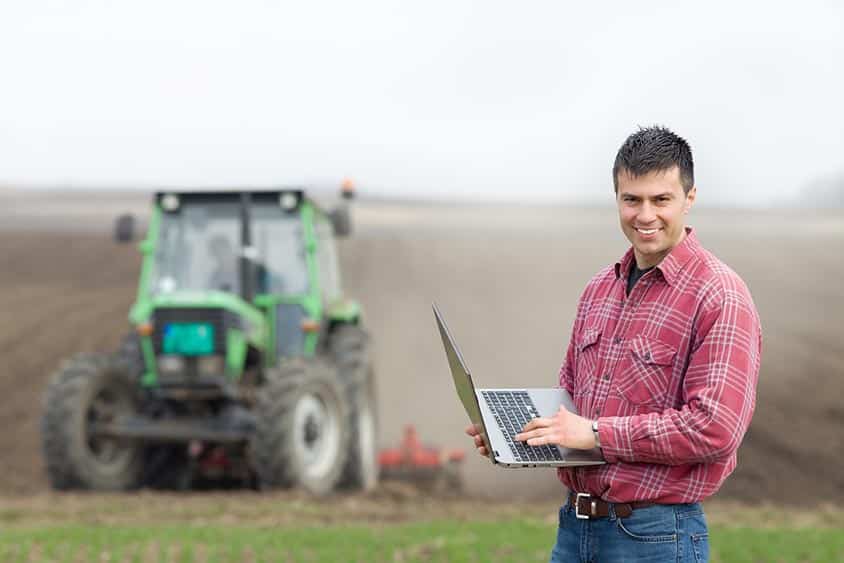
564 429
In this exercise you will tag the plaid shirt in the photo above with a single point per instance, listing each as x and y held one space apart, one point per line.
670 373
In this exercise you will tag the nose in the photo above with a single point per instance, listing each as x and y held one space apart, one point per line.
647 214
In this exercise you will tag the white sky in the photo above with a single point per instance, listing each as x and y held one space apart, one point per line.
492 100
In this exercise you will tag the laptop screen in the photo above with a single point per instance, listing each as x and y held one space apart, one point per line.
461 376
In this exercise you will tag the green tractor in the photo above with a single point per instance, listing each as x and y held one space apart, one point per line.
245 364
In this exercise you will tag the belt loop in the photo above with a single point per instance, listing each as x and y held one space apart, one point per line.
612 516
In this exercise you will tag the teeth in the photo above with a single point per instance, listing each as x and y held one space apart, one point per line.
647 231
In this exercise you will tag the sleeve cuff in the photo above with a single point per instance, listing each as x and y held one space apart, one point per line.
608 432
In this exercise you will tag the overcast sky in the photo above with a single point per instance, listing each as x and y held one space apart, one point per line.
492 100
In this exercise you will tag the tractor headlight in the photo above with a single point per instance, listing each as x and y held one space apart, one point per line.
169 365
288 201
170 202
210 365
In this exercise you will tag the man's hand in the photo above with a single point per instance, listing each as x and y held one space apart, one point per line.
564 429
475 433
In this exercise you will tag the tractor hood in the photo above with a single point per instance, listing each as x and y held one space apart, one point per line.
248 318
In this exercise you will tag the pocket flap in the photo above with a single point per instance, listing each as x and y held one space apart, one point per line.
588 337
653 351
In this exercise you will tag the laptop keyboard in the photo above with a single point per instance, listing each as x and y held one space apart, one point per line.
512 410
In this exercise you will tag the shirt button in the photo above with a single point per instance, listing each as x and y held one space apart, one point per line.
597 412
606 377
617 340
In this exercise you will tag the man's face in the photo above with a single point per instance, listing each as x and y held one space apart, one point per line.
651 209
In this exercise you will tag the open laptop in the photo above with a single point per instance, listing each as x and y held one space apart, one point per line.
502 413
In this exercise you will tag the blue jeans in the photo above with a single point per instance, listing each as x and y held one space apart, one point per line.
660 533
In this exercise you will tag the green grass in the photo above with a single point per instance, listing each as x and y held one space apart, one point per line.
437 540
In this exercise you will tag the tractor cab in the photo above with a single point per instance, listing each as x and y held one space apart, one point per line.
234 281
219 242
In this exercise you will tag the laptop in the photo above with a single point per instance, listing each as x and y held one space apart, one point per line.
502 413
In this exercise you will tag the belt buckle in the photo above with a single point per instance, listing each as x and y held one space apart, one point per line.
593 507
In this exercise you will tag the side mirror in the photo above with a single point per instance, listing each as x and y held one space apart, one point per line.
124 228
341 220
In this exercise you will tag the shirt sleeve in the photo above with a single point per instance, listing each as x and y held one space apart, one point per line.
719 393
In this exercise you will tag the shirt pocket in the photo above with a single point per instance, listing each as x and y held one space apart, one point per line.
647 375
587 344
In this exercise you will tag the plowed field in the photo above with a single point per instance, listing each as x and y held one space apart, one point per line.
507 281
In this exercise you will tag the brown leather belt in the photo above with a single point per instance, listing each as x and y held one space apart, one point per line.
586 506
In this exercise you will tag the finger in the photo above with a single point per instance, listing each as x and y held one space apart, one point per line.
483 452
538 422
479 441
543 440
471 430
522 436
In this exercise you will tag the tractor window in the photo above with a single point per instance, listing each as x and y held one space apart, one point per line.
329 275
280 242
198 249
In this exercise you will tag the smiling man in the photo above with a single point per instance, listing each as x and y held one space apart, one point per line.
662 365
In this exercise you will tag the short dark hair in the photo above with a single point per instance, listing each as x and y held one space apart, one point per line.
654 149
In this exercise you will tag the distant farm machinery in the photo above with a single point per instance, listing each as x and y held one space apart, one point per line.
245 362
430 468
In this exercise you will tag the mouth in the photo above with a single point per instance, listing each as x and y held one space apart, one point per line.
647 232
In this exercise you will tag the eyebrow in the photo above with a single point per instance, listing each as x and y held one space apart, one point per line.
663 194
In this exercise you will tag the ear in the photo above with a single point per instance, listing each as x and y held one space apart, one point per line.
690 199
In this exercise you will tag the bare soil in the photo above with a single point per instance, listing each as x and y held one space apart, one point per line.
388 505
507 281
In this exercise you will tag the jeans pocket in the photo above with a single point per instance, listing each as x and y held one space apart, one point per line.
650 525
700 546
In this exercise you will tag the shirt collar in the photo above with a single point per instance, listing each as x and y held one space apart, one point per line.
671 265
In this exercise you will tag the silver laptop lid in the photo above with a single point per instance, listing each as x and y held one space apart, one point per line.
462 378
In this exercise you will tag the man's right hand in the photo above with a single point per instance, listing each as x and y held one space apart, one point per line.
475 433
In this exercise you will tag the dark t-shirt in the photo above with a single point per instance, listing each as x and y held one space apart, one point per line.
635 274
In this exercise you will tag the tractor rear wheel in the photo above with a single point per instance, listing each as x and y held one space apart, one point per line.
301 437
88 391
361 471
350 348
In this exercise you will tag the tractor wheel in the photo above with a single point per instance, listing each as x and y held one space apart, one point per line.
349 343
361 470
301 437
86 391
131 354
350 350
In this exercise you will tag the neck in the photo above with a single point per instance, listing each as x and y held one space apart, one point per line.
643 261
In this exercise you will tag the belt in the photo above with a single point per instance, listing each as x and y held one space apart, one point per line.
586 506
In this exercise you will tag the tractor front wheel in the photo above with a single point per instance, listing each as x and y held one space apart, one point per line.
88 392
301 437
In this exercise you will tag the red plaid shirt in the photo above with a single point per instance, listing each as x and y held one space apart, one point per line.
670 373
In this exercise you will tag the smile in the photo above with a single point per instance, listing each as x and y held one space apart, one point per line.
647 231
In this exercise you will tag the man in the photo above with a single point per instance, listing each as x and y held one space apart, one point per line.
662 365
225 276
